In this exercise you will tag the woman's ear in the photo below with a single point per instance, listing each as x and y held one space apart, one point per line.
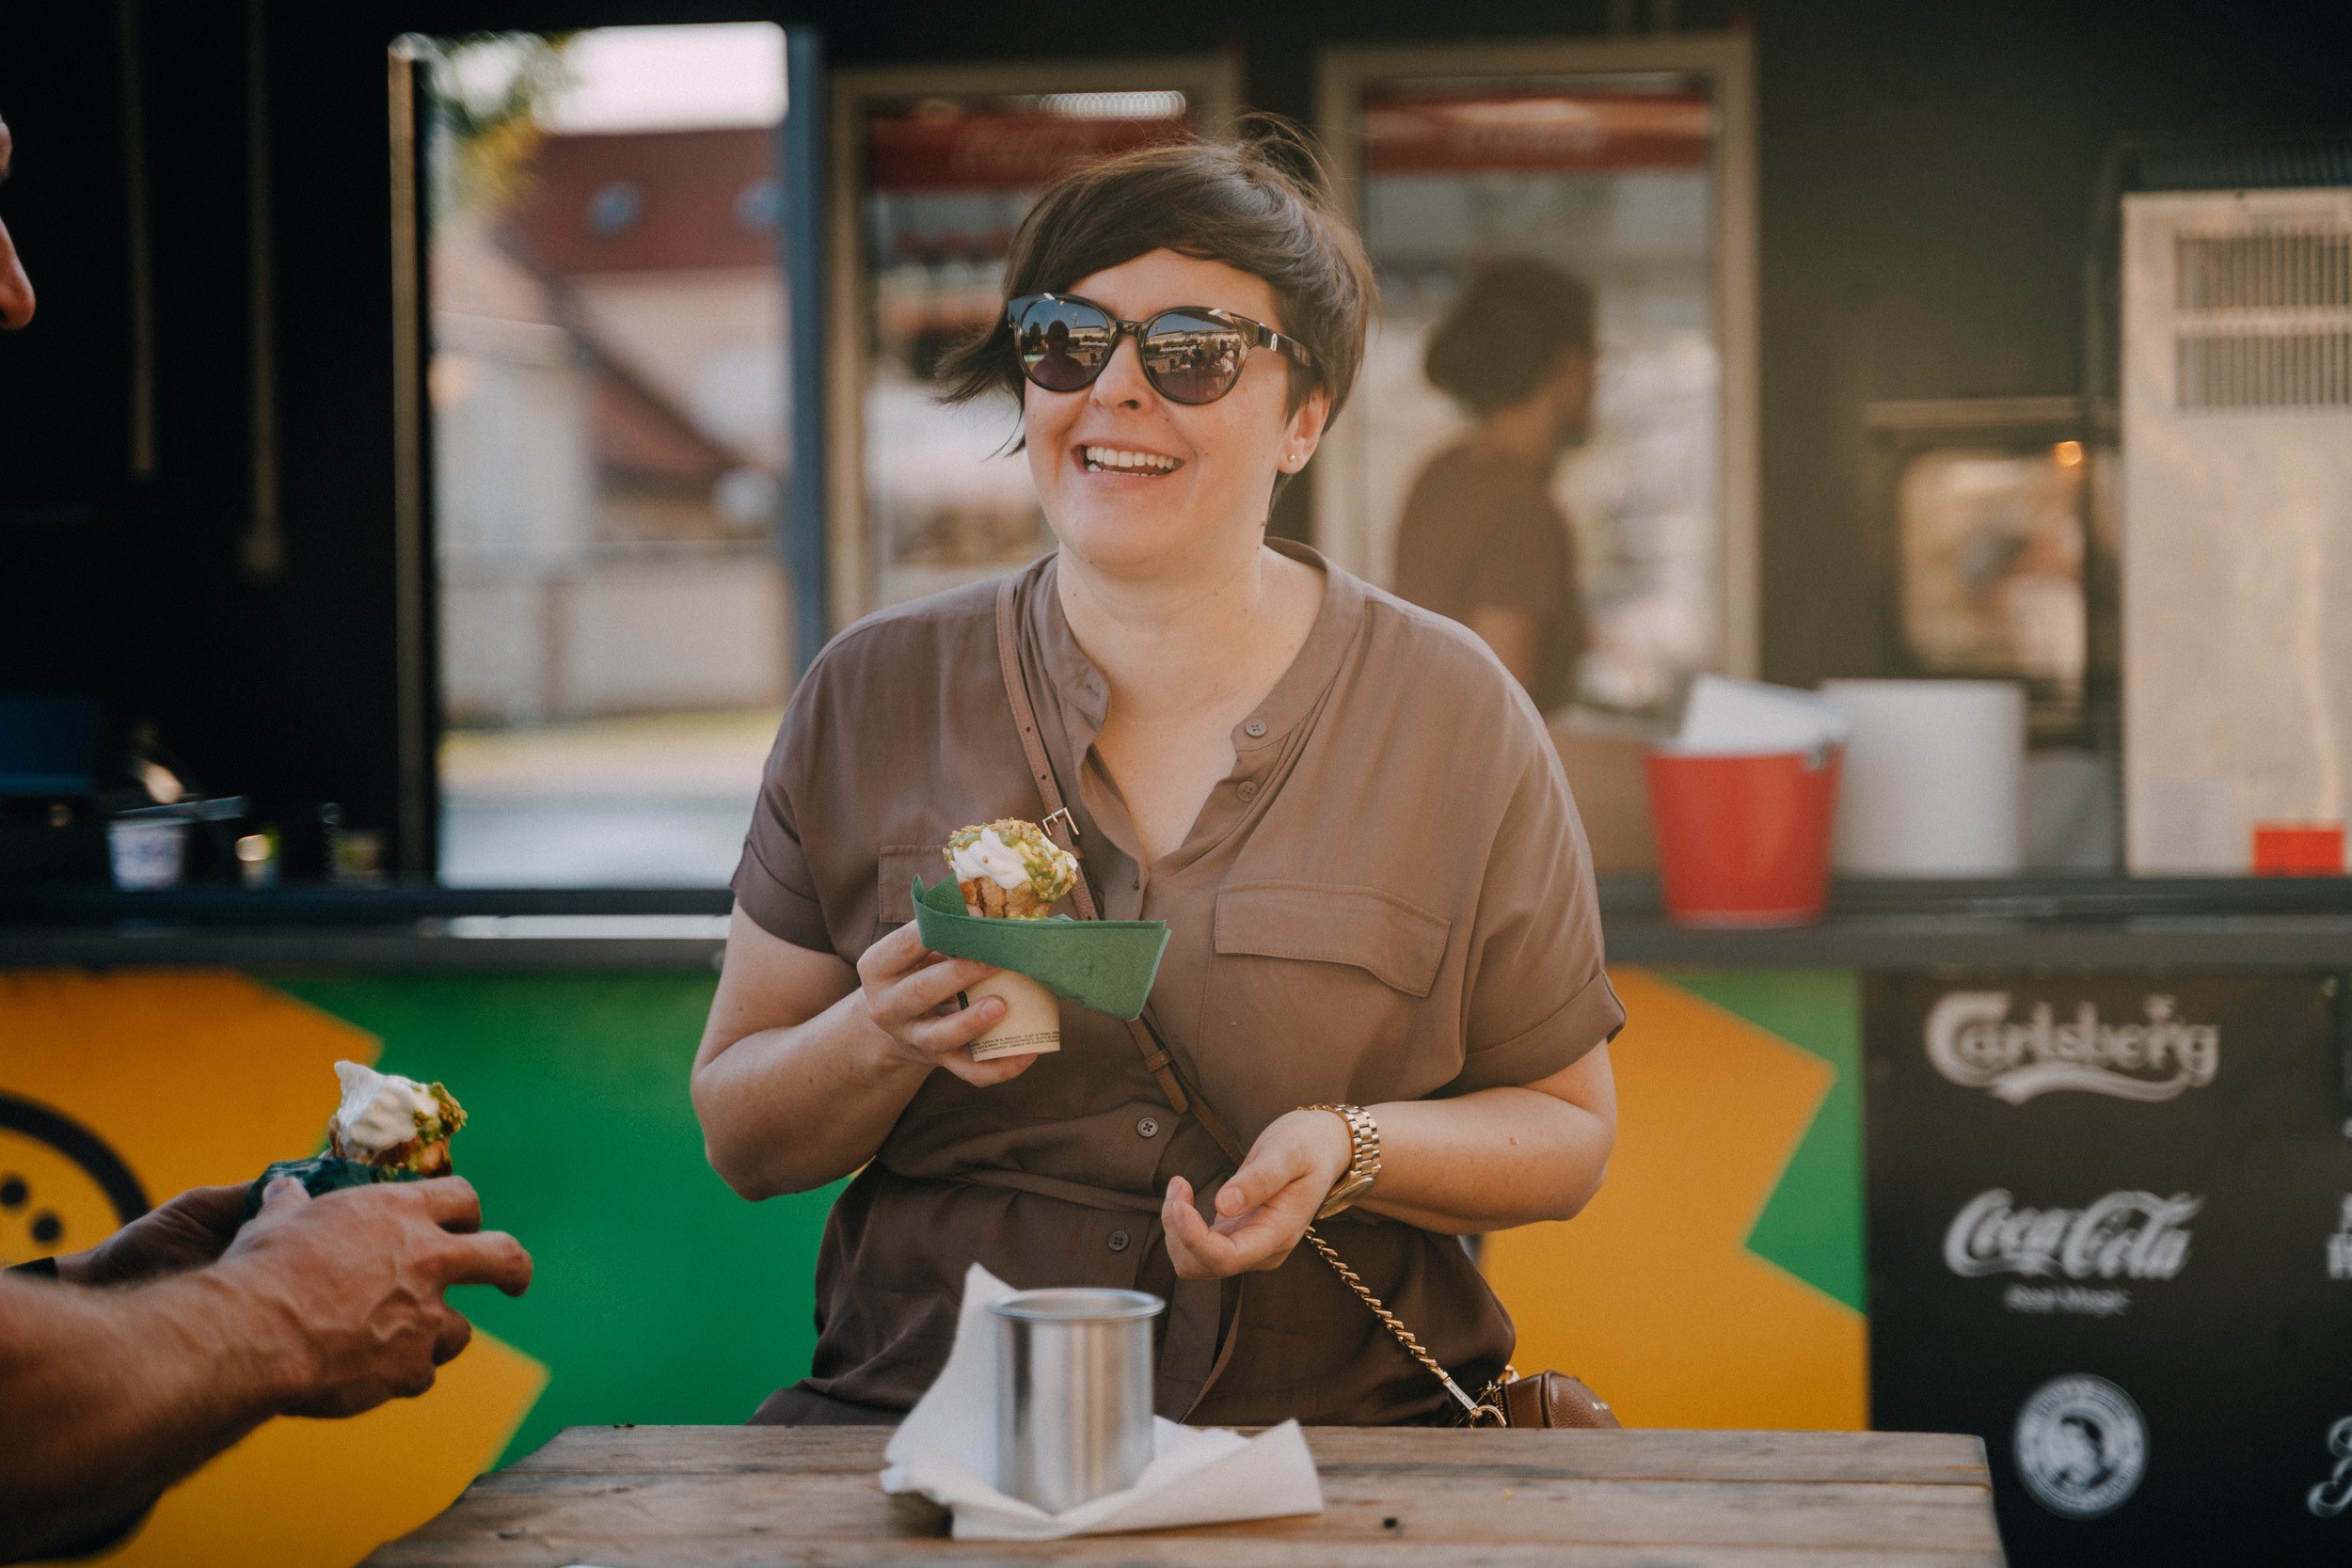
1305 431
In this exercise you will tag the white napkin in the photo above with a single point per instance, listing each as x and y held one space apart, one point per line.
947 1451
1735 717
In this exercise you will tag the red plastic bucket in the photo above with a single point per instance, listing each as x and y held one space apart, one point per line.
1744 840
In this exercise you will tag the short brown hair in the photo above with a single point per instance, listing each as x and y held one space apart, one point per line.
1261 203
1507 332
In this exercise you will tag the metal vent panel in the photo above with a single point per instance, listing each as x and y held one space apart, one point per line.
2265 370
2282 269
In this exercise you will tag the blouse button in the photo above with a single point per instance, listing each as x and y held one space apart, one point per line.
1147 1128
1249 789
1254 729
1119 1240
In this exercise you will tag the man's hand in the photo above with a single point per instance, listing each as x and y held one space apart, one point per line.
1267 1205
357 1277
190 1232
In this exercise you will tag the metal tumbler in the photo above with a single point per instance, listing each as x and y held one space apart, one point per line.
1074 1393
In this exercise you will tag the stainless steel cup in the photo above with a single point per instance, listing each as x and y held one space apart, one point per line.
1074 1393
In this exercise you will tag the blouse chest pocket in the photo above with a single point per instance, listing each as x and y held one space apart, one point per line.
1322 986
896 866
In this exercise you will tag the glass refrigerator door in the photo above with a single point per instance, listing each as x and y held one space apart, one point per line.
943 173
1617 178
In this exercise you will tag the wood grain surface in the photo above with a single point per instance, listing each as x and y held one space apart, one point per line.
740 1496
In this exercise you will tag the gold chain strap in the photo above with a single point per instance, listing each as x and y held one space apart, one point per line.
1477 1412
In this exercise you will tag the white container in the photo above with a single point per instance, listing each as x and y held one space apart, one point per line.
147 853
1933 778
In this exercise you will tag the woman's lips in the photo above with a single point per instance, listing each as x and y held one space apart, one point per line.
1102 459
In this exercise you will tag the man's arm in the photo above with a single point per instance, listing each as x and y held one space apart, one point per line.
106 1397
324 1307
1511 633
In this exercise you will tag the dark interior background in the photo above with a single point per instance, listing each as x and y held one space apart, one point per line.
1929 179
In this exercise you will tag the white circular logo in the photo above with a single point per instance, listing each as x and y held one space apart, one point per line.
2081 1446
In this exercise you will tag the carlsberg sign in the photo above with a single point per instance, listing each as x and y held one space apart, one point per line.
1973 1041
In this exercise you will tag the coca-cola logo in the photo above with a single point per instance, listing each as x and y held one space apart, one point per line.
1973 1041
2124 1235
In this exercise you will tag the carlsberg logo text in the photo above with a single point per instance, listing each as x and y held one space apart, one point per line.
2121 1236
1974 1042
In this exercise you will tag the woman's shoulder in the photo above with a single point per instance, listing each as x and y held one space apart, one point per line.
938 626
1426 658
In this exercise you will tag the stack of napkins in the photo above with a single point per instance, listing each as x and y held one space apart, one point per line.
947 1451
1735 717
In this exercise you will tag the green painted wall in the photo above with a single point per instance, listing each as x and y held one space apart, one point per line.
663 1297
1812 1224
660 1296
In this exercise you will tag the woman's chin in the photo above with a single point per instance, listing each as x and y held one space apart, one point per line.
1123 544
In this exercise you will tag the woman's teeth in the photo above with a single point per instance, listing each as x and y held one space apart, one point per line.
1113 460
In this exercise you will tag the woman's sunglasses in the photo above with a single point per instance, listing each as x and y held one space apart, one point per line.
1193 353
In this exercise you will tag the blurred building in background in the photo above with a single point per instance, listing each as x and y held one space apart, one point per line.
606 388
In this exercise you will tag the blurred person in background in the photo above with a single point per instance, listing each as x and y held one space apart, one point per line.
1375 953
1481 540
125 1367
16 290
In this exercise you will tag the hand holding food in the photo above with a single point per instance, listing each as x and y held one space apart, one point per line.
386 1128
1009 870
358 1278
912 996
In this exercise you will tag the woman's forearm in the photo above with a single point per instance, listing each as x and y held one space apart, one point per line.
788 1109
1487 1161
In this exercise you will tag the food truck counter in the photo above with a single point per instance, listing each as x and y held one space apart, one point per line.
2058 921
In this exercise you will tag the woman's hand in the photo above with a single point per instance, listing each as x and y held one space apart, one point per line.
910 995
1266 1207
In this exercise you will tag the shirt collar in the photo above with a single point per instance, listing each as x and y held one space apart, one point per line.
1086 694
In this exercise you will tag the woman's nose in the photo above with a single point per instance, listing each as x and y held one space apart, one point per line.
1121 383
16 290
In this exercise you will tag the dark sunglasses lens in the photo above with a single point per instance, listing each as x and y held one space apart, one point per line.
1191 358
1062 345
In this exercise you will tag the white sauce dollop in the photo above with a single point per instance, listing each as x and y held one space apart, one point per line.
379 1110
991 857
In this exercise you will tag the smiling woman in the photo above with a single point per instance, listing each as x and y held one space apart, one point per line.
1384 969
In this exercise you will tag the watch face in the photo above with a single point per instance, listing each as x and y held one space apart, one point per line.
1352 1186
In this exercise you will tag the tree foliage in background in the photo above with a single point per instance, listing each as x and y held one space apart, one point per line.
486 91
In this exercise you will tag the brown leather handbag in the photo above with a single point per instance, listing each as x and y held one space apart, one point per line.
1545 1400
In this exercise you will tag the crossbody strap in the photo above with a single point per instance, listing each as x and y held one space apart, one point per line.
1063 829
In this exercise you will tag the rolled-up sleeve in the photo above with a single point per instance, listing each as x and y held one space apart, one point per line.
773 883
1537 996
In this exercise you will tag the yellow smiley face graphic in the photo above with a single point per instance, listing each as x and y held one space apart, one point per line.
61 1189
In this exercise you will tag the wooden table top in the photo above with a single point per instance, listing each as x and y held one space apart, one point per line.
736 1496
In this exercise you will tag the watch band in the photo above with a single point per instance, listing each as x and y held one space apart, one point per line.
1363 1166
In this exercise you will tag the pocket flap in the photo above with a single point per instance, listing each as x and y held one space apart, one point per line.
1398 943
897 865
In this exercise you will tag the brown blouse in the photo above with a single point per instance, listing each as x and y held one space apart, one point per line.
1388 898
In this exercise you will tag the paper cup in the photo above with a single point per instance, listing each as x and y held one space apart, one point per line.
1032 1023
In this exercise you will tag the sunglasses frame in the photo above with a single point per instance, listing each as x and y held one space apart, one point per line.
1254 334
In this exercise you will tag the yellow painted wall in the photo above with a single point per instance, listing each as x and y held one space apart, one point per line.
199 1078
1651 1294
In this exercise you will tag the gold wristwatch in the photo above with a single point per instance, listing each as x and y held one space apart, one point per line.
1363 1166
